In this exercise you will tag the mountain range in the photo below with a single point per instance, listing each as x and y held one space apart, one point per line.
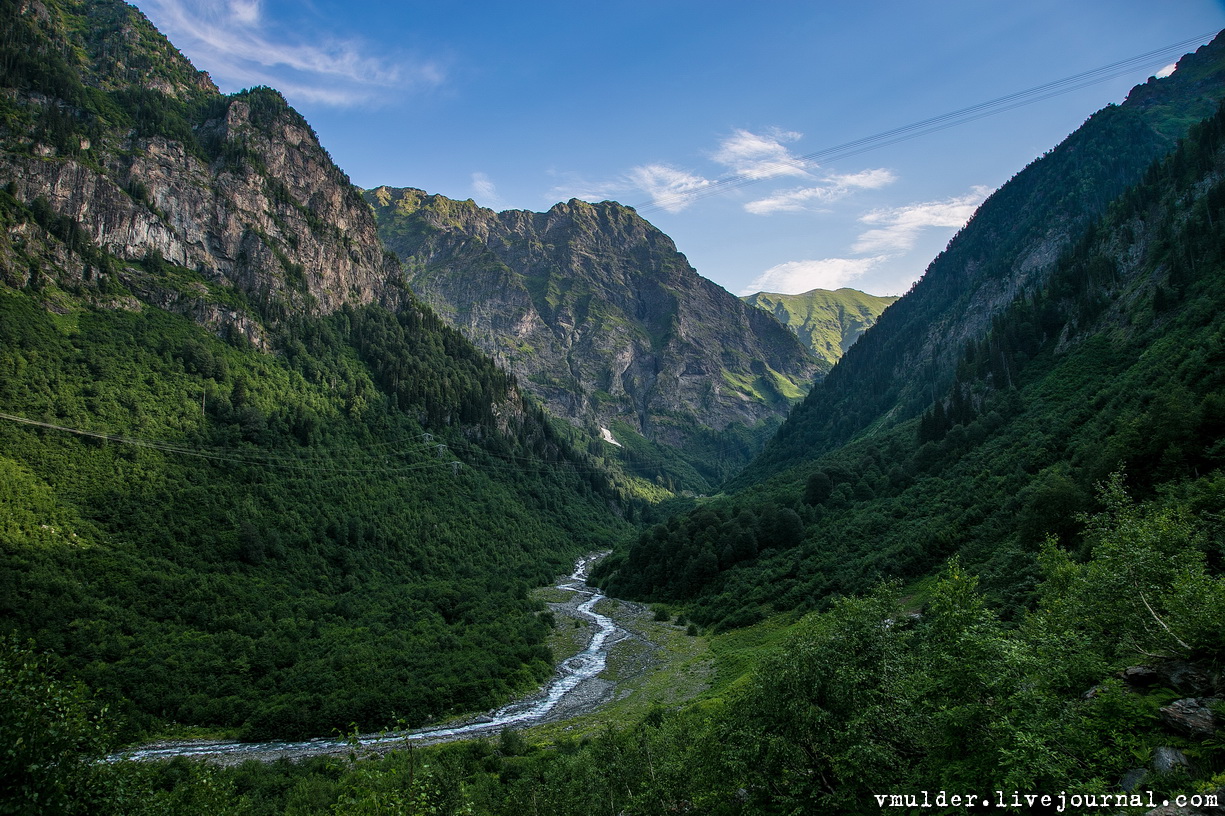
596 312
280 457
239 458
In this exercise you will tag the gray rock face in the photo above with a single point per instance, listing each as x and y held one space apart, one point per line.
1141 676
596 312
1184 677
1191 716
224 208
237 224
1167 760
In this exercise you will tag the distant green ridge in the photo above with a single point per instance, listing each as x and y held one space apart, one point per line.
828 322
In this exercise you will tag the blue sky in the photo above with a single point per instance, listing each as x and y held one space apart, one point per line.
706 116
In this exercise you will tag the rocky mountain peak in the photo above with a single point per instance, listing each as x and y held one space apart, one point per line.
224 207
596 311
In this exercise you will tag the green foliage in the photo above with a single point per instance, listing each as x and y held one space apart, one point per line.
860 700
1146 590
279 550
402 784
829 720
50 730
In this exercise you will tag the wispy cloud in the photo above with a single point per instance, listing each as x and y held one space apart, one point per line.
831 189
485 191
245 11
746 156
1167 71
899 227
239 46
760 156
669 188
796 277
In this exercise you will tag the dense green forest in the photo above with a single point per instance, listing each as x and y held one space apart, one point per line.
276 543
860 701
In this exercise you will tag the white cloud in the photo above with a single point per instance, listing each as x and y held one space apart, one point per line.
485 191
832 188
1166 71
900 226
759 156
796 277
245 11
239 47
796 200
866 179
669 188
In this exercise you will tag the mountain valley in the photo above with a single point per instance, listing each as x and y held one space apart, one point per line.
283 459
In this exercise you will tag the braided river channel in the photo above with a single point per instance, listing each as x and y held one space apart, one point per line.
566 683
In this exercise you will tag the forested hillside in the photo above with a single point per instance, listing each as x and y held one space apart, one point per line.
1111 365
248 481
1011 245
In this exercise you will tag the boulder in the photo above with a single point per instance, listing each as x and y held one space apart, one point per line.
1185 678
1140 676
1132 779
1191 716
1166 760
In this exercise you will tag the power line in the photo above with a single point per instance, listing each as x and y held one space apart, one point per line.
934 124
256 458
344 461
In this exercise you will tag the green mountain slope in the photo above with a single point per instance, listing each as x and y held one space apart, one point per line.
597 313
1108 363
1012 243
246 480
828 322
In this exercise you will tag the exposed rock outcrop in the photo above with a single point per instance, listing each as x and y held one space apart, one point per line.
206 200
597 312
1191 716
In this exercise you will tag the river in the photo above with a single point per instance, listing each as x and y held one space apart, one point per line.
569 676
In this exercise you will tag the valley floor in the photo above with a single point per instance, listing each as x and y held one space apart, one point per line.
645 663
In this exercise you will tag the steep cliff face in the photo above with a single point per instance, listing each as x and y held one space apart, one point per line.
212 204
597 312
827 322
